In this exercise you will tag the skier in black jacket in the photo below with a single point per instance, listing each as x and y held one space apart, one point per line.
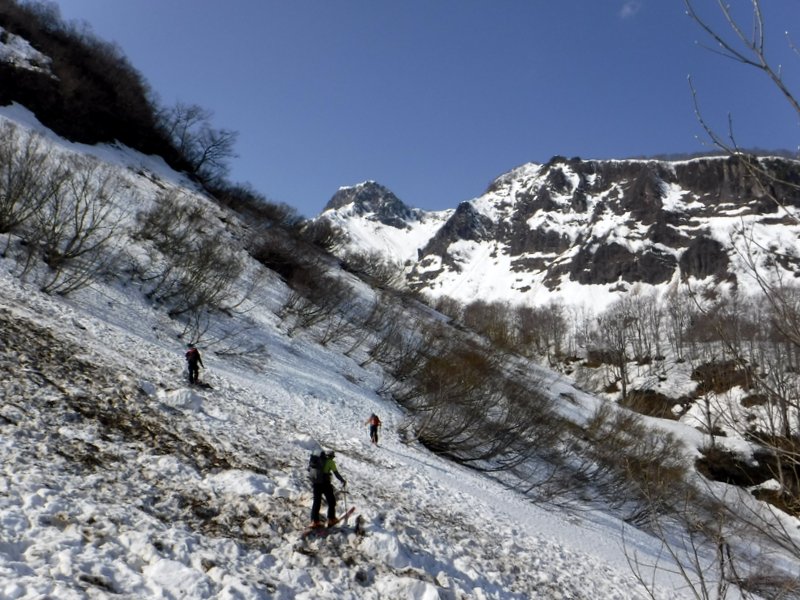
320 474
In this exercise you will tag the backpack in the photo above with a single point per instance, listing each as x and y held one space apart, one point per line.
192 355
316 466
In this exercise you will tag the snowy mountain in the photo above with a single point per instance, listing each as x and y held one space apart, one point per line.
572 229
370 217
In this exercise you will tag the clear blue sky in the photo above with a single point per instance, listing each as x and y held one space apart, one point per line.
435 98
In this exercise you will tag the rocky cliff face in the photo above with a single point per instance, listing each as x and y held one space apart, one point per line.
542 228
373 199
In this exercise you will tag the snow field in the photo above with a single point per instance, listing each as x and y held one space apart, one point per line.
120 481
217 512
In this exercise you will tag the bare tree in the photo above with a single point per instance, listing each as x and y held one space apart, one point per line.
679 316
181 123
213 150
743 518
74 230
28 178
615 329
205 148
747 46
544 328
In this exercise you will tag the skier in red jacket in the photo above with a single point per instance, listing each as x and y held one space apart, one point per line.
374 423
194 362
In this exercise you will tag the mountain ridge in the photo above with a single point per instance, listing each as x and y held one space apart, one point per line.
609 224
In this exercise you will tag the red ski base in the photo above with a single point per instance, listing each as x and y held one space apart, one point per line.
323 530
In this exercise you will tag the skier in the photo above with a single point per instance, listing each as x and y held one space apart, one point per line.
321 466
193 360
374 423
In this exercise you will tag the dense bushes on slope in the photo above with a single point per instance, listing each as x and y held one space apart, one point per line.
93 95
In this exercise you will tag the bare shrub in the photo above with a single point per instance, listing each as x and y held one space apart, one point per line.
490 319
651 403
337 327
641 467
313 301
62 209
463 406
374 268
317 293
721 376
190 271
377 318
323 234
28 178
722 546
286 254
449 307
74 230
449 399
391 331
255 207
720 464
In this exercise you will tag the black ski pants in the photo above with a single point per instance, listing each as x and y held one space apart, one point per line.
324 488
194 371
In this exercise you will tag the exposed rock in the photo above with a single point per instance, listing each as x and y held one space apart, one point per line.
704 258
373 198
465 224
610 223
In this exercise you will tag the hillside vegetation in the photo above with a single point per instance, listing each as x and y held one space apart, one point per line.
468 396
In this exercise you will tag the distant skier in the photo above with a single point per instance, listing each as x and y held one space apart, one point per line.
194 361
374 423
320 467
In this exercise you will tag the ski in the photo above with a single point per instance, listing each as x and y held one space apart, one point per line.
324 530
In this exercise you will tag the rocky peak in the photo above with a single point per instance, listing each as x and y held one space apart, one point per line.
466 223
374 200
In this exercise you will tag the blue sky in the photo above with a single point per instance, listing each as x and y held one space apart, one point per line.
436 98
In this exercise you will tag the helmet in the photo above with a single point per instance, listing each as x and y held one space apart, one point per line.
331 454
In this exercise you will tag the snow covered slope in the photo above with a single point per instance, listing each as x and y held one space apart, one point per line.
19 53
119 480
